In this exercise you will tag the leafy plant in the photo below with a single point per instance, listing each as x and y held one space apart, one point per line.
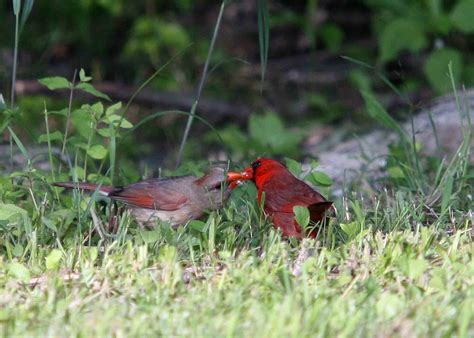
96 125
417 26
266 135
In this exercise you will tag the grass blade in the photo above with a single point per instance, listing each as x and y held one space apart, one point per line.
16 10
378 113
20 146
16 7
357 62
201 85
447 194
263 35
25 13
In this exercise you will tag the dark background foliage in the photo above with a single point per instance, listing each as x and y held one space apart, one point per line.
321 54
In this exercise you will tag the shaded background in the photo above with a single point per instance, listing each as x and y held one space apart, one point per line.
321 55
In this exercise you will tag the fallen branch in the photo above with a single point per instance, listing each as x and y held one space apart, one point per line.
210 109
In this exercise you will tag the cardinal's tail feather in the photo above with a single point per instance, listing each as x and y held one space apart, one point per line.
320 207
103 189
318 210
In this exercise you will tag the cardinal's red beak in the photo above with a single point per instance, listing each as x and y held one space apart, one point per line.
235 178
247 174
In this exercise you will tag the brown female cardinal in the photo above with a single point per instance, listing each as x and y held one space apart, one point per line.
281 191
176 200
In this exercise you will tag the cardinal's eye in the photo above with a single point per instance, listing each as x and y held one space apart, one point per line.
256 164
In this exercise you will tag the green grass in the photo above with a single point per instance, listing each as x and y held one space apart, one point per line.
396 261
405 283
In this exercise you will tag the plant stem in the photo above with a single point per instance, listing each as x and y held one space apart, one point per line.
15 59
201 85
68 117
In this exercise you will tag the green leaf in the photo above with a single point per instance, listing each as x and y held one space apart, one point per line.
389 305
436 68
396 172
25 13
401 34
197 225
16 7
20 145
447 193
83 122
54 136
91 253
270 134
465 317
105 132
360 79
414 267
53 259
62 112
17 250
150 236
265 128
65 216
97 109
462 16
320 178
83 77
5 315
332 36
293 166
97 152
19 271
111 118
49 223
78 173
378 113
233 138
301 215
88 88
55 82
113 108
125 124
350 229
9 211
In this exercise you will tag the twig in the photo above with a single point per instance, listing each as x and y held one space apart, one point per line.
213 109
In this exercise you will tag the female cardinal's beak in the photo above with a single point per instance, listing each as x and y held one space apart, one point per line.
235 178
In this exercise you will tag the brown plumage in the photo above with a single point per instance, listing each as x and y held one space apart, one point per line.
176 200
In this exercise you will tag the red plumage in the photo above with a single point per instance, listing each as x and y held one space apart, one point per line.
281 191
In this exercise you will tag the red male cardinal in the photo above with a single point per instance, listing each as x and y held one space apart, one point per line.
282 191
176 200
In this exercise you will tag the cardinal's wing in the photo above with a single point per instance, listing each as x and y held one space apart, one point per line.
282 195
159 194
